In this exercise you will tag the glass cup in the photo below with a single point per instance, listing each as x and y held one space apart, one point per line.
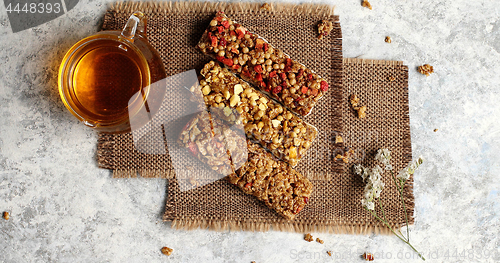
107 80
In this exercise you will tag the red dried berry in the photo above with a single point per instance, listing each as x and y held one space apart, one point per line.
240 31
284 84
213 39
218 17
235 67
266 47
263 84
277 89
288 62
304 89
220 29
309 77
259 43
273 74
248 185
283 76
220 59
232 33
306 199
258 77
298 209
301 72
193 148
225 24
287 69
223 42
324 86
258 69
228 62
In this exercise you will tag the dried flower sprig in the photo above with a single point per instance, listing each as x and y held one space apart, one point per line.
374 187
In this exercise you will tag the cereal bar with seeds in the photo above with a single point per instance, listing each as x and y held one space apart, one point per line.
273 182
254 170
258 62
205 139
265 121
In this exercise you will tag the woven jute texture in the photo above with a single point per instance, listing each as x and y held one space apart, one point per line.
175 28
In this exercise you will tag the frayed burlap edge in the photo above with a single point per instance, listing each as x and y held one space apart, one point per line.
334 228
197 7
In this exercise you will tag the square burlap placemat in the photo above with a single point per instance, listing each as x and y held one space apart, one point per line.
175 28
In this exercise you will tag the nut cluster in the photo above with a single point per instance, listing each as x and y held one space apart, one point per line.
355 105
258 62
426 69
273 126
324 28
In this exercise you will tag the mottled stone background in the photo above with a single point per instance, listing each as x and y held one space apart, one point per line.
64 209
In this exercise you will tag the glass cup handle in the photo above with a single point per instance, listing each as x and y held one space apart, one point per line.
136 25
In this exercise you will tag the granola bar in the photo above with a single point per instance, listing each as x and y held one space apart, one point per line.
258 62
214 143
272 181
256 171
265 121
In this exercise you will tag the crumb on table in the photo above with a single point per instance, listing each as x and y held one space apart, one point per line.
426 69
366 4
308 237
368 257
6 215
167 251
324 28
388 39
391 79
355 105
319 240
435 130
266 7
346 156
329 253
338 139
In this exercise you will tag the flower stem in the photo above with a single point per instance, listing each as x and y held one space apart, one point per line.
400 237
400 190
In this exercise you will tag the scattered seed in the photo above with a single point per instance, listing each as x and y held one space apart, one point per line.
368 257
366 4
266 7
426 69
167 251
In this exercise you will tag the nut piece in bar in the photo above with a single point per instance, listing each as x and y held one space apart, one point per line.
324 28
265 121
258 62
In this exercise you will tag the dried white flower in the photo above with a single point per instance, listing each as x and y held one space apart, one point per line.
409 169
374 185
384 156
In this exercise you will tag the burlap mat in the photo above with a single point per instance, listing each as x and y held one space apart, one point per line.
175 28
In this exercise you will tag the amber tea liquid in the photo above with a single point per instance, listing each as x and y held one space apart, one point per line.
108 81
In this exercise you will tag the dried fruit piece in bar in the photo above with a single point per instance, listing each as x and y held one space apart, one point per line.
258 62
265 121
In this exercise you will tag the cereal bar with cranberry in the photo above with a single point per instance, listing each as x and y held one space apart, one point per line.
258 62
